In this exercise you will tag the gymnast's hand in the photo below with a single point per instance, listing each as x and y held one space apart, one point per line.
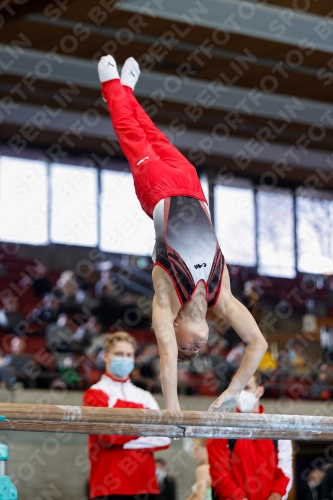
226 401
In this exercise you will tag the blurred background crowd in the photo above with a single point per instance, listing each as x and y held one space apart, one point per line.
52 336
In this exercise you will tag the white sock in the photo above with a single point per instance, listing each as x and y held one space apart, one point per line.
107 69
130 73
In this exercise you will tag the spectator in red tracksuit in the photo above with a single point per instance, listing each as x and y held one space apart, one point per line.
121 467
246 469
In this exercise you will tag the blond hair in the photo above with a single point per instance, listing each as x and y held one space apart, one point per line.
200 441
113 338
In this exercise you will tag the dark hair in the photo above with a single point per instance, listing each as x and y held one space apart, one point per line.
258 378
161 461
183 356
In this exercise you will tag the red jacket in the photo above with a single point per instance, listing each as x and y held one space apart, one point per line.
121 465
254 470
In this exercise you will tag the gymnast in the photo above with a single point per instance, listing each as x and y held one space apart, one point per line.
190 277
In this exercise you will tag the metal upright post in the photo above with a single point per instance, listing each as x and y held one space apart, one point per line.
7 490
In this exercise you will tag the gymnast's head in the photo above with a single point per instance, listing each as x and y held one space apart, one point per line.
191 335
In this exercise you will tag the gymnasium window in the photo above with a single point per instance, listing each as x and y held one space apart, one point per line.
276 250
235 224
59 203
125 228
205 185
314 232
23 201
74 205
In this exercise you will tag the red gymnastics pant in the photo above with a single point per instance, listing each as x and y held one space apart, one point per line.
159 170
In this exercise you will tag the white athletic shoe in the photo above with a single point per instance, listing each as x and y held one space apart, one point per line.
107 69
130 73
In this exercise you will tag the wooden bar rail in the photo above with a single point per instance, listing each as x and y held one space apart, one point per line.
143 422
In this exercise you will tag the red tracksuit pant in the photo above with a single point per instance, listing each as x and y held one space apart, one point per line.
159 170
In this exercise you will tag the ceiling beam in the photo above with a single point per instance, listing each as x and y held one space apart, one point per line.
251 19
224 54
191 141
13 11
163 88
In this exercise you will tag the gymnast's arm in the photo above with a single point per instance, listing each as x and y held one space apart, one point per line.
165 310
242 321
168 351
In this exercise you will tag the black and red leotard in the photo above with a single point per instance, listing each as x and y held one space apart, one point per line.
187 248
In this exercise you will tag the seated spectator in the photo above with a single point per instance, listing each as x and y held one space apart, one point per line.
147 361
234 359
233 461
48 311
100 363
84 335
59 335
18 365
97 344
85 299
106 279
116 310
147 384
69 372
297 358
166 483
235 356
66 290
41 285
71 296
311 489
230 337
10 315
67 283
320 389
284 369
109 310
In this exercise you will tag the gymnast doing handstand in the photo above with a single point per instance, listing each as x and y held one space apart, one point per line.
190 276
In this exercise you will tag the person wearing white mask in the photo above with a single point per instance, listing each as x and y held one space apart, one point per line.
248 469
121 467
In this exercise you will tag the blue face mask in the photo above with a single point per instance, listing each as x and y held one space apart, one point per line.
121 367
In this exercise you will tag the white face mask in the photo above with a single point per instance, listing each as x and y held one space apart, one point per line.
247 401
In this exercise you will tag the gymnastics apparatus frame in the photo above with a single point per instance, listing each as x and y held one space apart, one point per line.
173 424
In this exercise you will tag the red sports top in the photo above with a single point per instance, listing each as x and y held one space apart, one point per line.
121 465
254 470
